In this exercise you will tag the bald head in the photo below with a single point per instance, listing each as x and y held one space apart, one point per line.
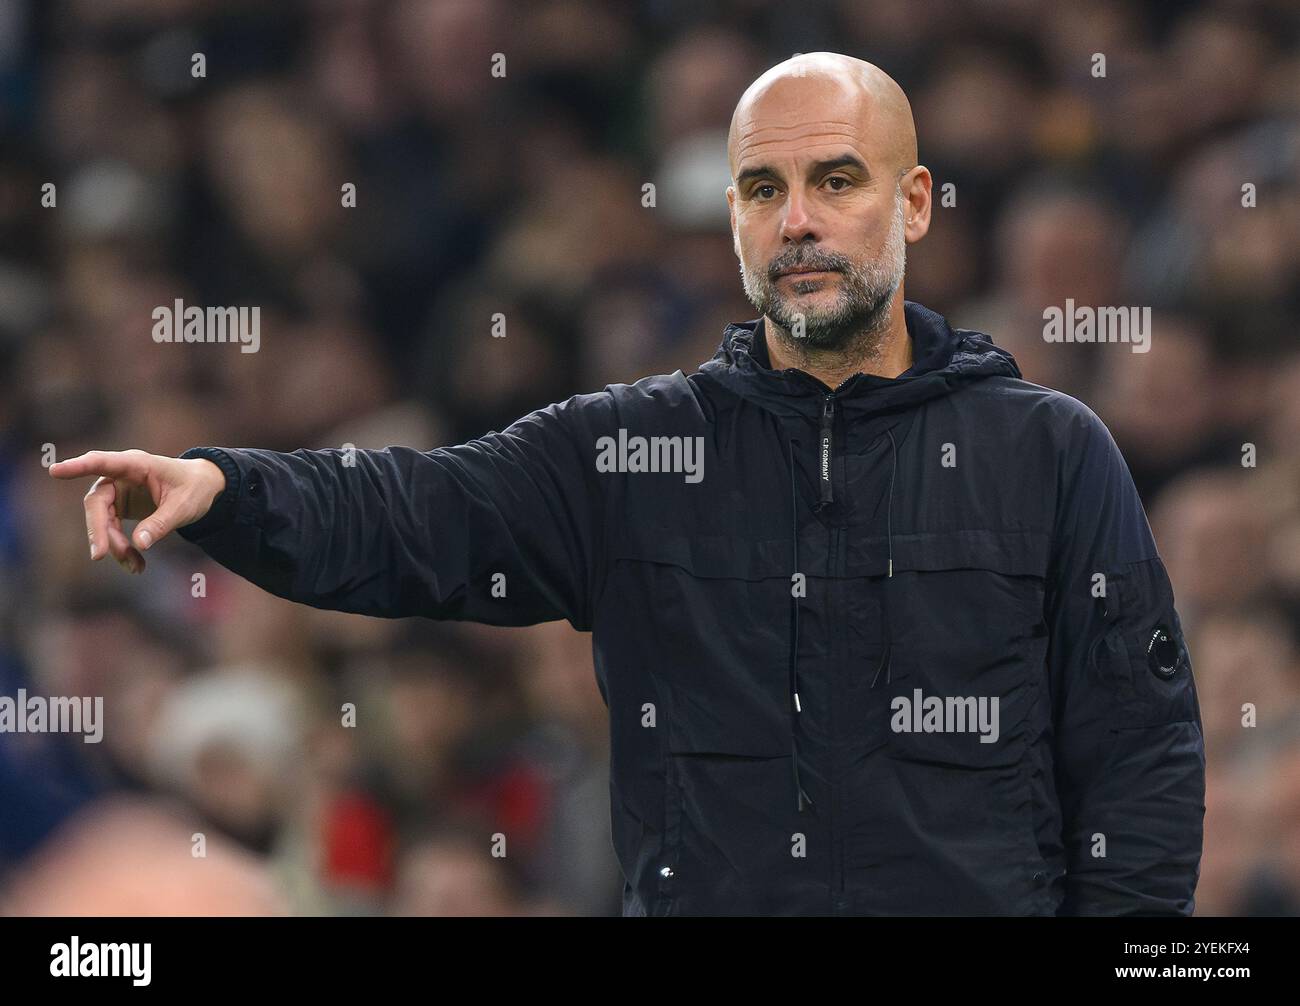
821 96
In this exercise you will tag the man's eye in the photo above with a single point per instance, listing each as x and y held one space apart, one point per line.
838 178
759 190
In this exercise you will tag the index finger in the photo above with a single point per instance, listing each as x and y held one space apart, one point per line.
114 464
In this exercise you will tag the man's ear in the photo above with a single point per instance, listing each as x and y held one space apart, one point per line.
915 186
731 208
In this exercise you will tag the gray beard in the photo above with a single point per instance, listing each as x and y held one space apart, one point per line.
861 314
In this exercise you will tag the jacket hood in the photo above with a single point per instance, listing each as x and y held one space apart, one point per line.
944 359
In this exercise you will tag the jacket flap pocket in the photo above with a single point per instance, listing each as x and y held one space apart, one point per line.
707 556
710 618
969 640
1012 553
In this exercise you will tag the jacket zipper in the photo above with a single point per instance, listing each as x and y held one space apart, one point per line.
826 459
827 471
826 495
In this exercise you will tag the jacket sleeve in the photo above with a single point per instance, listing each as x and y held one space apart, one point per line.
1128 746
505 529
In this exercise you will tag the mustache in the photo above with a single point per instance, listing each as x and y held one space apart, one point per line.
803 259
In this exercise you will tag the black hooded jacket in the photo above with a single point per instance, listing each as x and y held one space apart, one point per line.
902 647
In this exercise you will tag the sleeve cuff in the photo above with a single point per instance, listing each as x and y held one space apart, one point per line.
222 511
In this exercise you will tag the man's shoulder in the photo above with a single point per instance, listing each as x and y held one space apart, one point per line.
1035 407
650 400
658 393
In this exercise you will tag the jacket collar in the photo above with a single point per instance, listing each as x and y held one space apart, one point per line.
944 359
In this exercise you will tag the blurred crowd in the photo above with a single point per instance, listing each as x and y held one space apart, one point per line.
499 153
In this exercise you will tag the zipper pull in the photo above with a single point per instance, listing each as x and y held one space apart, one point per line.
828 417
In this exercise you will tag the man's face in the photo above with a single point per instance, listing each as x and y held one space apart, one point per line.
818 218
846 295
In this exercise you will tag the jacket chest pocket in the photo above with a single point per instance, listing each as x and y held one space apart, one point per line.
968 643
713 636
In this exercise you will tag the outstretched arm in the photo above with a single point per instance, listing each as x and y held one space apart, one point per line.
506 529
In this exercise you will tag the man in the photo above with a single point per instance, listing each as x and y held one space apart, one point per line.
881 627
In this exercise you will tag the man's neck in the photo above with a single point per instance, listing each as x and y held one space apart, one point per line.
887 355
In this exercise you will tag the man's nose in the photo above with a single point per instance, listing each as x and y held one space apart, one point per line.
798 224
